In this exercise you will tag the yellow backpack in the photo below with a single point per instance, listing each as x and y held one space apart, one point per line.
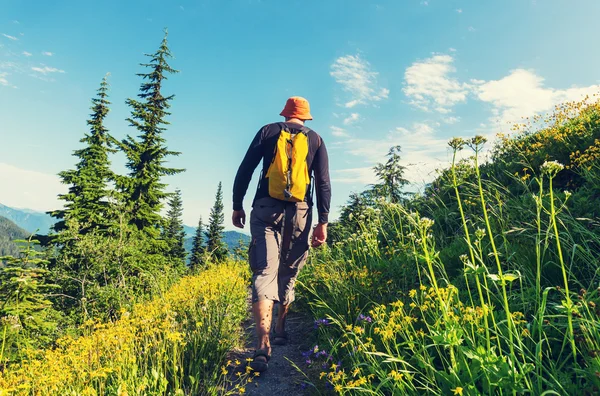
288 172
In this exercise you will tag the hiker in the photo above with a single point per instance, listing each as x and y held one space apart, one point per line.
281 217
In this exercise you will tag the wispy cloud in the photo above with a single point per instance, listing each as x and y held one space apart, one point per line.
25 53
361 176
47 70
422 152
459 10
181 8
355 76
431 87
46 53
451 120
471 29
337 131
3 80
353 118
13 38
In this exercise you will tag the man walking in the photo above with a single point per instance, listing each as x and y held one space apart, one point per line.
281 217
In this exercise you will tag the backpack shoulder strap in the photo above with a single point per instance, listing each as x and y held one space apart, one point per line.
305 130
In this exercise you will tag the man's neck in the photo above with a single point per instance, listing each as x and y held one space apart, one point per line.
295 121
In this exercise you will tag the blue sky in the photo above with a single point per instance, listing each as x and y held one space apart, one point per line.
377 74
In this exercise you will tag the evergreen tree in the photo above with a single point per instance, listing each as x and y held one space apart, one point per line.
173 232
241 250
24 292
198 248
214 235
391 175
143 189
86 201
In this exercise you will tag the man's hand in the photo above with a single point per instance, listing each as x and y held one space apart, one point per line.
239 218
319 235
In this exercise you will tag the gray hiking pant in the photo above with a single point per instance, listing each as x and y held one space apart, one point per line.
279 247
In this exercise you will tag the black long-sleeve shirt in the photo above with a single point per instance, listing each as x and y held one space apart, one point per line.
263 147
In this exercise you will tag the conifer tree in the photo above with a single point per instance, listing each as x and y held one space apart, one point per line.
391 175
86 201
173 232
143 189
214 235
24 290
198 248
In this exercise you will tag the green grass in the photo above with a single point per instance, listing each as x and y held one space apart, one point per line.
508 322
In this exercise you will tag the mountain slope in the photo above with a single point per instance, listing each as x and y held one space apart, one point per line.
29 220
9 232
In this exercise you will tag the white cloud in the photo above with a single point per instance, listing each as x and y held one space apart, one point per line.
46 53
356 77
451 120
10 37
25 53
430 86
354 117
337 131
522 94
3 80
471 29
425 3
422 153
459 10
29 189
46 69
361 176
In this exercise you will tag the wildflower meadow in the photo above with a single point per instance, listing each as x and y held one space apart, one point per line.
486 283
174 344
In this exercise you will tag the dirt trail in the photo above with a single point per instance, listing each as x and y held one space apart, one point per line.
281 378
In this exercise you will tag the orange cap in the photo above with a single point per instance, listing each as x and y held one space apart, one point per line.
297 107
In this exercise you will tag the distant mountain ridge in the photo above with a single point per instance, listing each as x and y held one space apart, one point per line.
231 238
40 223
29 220
10 232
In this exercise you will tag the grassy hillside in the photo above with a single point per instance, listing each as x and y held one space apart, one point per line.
485 284
9 232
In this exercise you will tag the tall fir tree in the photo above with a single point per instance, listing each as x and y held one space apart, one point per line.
214 235
173 233
198 248
87 203
24 289
143 189
391 175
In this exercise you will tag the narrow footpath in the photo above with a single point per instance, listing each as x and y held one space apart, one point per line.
282 378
